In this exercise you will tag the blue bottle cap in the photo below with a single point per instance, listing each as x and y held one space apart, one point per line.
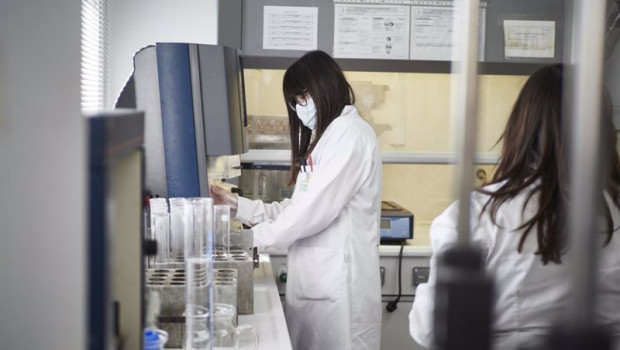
151 340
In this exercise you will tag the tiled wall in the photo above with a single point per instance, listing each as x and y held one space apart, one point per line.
410 112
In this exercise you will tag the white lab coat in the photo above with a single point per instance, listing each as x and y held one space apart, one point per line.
330 227
529 296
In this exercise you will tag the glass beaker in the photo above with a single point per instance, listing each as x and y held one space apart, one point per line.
198 328
226 334
221 226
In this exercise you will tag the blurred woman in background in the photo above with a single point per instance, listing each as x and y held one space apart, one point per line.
519 220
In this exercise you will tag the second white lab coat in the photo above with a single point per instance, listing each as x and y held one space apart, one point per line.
529 296
330 228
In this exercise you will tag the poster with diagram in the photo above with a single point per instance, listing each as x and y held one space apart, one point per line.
371 31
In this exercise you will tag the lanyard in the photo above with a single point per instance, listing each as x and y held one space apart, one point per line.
304 163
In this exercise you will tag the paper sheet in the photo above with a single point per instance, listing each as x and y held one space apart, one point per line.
531 39
371 31
290 28
431 31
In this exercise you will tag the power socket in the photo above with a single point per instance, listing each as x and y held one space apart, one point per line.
420 275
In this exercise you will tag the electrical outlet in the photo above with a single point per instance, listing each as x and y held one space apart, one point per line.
420 275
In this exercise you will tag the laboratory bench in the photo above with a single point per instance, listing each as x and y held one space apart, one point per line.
268 317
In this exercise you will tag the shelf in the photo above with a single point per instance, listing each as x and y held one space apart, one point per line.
282 157
397 66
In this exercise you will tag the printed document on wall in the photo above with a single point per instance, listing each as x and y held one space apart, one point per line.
371 31
432 31
530 39
290 28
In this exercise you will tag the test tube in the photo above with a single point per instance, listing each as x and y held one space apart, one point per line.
157 206
161 233
221 217
177 228
194 238
202 212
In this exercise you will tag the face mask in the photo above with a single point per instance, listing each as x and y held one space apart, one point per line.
307 113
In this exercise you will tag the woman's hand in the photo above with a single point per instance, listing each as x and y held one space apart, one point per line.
221 195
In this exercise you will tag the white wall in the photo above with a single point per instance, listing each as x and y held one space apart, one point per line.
42 177
137 23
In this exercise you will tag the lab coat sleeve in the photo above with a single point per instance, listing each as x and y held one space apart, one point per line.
252 212
443 235
345 163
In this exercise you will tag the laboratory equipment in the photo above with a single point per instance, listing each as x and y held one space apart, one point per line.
396 223
227 334
268 132
179 218
155 339
198 274
190 90
225 286
116 246
243 262
221 217
266 182
198 330
161 233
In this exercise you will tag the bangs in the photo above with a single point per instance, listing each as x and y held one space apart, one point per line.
292 86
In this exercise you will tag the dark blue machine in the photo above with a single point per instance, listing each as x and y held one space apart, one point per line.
194 103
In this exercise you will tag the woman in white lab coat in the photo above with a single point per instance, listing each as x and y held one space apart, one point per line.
330 226
519 220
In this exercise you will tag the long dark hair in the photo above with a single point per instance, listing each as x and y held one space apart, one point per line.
535 153
320 76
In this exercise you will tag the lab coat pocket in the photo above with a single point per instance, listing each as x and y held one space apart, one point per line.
319 273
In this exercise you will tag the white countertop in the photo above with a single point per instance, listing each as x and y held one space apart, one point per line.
268 317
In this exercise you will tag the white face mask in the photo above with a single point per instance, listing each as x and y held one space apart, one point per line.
307 113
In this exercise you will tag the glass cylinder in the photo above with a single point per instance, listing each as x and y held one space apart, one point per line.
202 209
177 228
195 238
157 206
161 234
221 217
226 288
198 274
